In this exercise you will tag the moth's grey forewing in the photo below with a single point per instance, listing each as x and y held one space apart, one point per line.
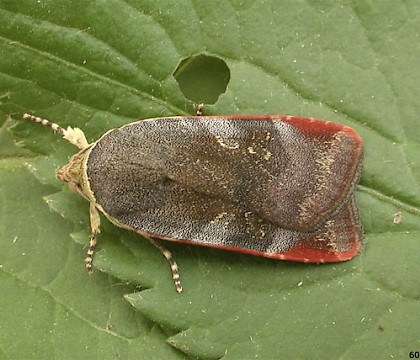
224 182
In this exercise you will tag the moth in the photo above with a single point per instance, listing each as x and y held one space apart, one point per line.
275 186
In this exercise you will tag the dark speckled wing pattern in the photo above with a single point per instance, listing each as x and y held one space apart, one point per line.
274 186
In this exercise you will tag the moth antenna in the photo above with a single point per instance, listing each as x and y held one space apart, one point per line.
174 266
73 135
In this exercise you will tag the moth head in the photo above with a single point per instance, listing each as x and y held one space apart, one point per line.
74 173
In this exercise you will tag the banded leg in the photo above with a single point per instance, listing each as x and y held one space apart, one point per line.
95 222
200 108
174 266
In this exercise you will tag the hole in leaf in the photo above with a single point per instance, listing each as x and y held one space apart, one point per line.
202 78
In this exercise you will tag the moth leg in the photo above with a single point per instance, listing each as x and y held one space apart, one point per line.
95 222
174 266
200 108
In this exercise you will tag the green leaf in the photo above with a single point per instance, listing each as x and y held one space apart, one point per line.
98 65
